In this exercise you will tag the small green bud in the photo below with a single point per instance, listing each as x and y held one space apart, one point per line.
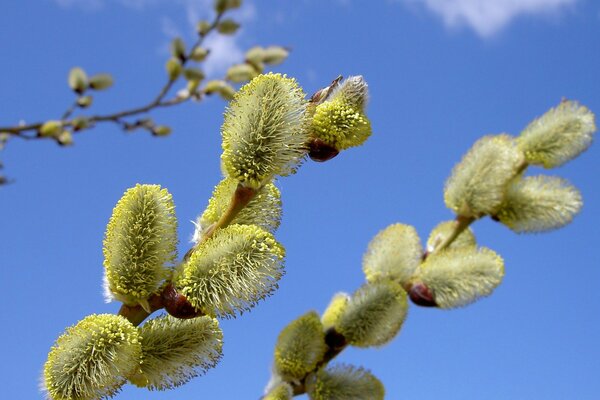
92 359
445 229
334 310
101 81
263 130
233 270
161 130
457 277
50 129
80 123
264 210
178 49
274 55
539 203
227 92
240 73
224 5
255 55
140 244
214 86
65 138
559 135
374 314
177 350
344 382
477 184
85 101
203 27
394 253
281 391
193 74
199 54
78 81
228 27
300 347
174 68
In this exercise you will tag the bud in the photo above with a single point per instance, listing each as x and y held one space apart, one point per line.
228 27
230 272
439 234
178 49
374 314
300 347
65 138
559 135
50 129
344 382
539 203
394 254
101 81
281 391
340 121
457 277
78 81
140 244
199 54
220 87
174 68
92 359
193 74
80 123
264 210
335 310
161 130
274 55
203 27
85 101
175 350
263 131
255 55
223 5
240 73
477 184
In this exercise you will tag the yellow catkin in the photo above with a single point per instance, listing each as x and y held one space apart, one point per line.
345 382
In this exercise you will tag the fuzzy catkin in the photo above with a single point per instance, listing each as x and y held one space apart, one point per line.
345 382
438 234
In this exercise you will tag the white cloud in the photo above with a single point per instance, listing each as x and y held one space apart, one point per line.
225 50
487 17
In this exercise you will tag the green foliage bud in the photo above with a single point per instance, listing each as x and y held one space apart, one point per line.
203 27
264 130
335 310
300 347
193 74
230 272
255 55
282 391
477 184
457 277
559 135
224 5
274 55
199 54
539 203
228 27
140 242
80 123
241 73
85 101
173 68
178 48
264 210
161 130
340 122
78 80
65 138
394 253
437 236
374 314
92 359
344 382
50 129
221 87
177 350
101 81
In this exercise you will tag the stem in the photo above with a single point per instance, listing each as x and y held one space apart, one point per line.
136 314
461 224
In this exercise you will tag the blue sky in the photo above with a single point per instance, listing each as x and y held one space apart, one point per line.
441 74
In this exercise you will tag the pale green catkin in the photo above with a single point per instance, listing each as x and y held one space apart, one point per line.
282 391
444 229
334 310
345 382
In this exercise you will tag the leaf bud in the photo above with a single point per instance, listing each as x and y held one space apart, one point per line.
199 54
173 68
78 81
240 73
228 27
50 129
65 138
80 123
203 27
85 101
274 55
223 5
193 74
101 81
161 130
178 49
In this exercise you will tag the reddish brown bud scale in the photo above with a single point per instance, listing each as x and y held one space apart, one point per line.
320 151
177 305
421 295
